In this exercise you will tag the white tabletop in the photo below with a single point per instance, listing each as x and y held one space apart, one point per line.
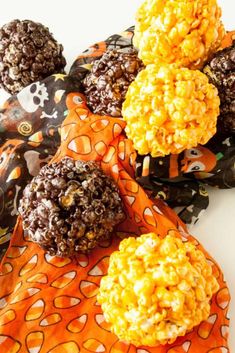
78 24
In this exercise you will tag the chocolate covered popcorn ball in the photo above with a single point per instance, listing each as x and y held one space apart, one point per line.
70 206
156 289
183 32
28 53
221 72
169 109
107 83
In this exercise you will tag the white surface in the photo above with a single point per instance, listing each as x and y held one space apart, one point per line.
78 24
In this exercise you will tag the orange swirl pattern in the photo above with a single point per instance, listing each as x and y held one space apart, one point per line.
48 304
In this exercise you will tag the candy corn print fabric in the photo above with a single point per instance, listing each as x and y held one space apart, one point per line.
48 304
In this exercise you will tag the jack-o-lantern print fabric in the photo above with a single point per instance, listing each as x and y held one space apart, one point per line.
48 304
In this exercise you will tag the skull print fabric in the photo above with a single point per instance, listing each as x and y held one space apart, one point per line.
29 136
48 304
32 97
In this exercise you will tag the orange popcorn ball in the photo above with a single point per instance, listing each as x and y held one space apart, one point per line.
178 31
169 109
156 289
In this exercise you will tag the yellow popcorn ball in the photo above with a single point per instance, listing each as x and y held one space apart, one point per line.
156 289
178 31
169 109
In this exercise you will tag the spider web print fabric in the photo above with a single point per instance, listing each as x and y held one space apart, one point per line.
48 304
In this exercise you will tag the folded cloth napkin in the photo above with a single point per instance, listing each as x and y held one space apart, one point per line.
48 304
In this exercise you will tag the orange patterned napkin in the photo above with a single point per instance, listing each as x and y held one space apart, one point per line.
48 304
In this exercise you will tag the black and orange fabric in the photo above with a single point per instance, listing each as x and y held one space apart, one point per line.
48 304
30 125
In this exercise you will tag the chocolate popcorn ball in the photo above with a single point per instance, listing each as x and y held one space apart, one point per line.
70 206
226 124
221 72
107 83
28 53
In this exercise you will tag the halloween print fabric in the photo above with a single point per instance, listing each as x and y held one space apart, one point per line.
30 134
48 304
83 62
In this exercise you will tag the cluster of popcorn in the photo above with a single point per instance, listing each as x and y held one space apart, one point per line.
163 109
183 32
175 109
70 207
156 289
